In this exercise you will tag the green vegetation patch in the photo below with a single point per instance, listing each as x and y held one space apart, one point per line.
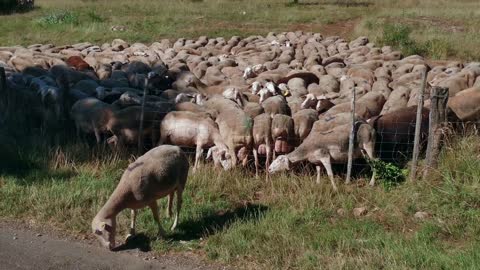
57 18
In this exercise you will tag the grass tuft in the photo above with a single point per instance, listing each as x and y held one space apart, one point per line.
58 18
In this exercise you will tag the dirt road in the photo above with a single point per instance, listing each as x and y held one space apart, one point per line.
22 248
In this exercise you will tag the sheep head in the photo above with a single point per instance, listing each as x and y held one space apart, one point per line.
309 102
256 87
247 73
270 86
220 156
199 99
284 89
233 94
104 230
282 163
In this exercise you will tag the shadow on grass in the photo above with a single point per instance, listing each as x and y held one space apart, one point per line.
195 229
27 172
211 223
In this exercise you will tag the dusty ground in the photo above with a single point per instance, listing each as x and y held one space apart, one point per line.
26 247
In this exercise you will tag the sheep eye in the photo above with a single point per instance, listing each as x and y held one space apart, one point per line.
98 232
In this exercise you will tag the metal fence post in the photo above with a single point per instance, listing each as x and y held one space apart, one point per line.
351 140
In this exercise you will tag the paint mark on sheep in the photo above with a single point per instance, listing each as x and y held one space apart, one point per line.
134 166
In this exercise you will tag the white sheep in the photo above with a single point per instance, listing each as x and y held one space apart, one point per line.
160 172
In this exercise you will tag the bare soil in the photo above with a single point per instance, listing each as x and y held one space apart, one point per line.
23 246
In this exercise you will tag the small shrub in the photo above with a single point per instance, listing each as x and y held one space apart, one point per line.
62 17
389 174
398 35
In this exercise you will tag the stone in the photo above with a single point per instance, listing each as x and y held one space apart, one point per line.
421 215
360 211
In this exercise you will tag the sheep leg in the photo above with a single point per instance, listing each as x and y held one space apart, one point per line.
328 166
369 148
318 173
245 160
198 154
372 181
133 217
97 133
170 204
233 155
179 207
255 156
267 161
154 207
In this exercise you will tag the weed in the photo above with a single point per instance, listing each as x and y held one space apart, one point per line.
398 35
388 173
58 18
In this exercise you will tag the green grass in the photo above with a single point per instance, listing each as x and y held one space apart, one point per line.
288 223
438 29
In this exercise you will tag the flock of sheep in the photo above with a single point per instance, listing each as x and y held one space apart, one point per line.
285 96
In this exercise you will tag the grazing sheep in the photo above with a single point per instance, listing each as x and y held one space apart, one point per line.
188 129
327 147
160 172
283 133
236 130
262 139
91 116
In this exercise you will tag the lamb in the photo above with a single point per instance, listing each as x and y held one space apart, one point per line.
325 147
160 172
189 129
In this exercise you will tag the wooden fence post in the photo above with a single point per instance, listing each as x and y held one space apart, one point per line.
351 140
418 126
438 120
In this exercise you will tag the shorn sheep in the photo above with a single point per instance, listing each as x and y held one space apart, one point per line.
160 172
